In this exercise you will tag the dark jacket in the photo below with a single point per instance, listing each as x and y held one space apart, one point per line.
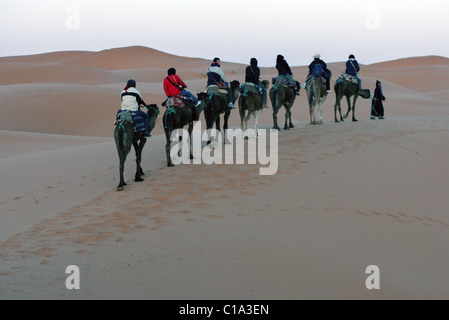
378 94
252 73
318 61
378 107
352 67
282 66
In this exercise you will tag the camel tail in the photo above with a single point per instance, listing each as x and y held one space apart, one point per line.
243 107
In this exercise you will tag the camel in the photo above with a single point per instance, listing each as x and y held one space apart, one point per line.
251 102
217 103
316 95
178 117
282 95
348 89
125 136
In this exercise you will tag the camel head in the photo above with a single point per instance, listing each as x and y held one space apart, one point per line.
153 111
364 93
265 83
235 87
203 98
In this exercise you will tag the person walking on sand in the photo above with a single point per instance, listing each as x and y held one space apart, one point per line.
216 77
377 109
132 100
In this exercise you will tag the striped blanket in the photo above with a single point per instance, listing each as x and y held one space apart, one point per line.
178 101
131 116
347 77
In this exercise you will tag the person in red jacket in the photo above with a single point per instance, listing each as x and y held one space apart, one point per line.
173 85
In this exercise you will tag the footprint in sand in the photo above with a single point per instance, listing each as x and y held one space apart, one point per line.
362 213
444 224
213 216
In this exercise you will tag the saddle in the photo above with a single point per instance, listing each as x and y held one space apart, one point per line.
347 77
284 81
132 117
310 76
213 89
250 87
178 101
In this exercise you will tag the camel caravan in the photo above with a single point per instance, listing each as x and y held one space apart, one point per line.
182 108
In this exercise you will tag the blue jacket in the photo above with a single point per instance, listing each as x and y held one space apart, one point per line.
352 67
318 61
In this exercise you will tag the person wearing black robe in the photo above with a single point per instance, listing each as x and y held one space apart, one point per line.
377 109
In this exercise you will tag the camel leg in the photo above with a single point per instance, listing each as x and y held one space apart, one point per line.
209 116
290 123
248 116
256 121
167 149
242 121
338 106
312 114
225 126
353 109
288 119
122 159
320 112
138 147
348 100
335 112
275 119
190 138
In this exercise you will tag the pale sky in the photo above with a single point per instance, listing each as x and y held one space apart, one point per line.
233 30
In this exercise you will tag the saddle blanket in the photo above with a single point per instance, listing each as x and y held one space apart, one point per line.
213 89
250 87
347 77
283 81
131 116
178 101
323 80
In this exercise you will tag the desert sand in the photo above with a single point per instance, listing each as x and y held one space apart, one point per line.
346 196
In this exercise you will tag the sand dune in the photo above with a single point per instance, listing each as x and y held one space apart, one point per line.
346 195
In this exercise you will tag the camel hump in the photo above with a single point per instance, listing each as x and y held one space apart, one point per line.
249 87
124 115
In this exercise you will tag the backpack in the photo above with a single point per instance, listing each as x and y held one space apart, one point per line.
317 70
